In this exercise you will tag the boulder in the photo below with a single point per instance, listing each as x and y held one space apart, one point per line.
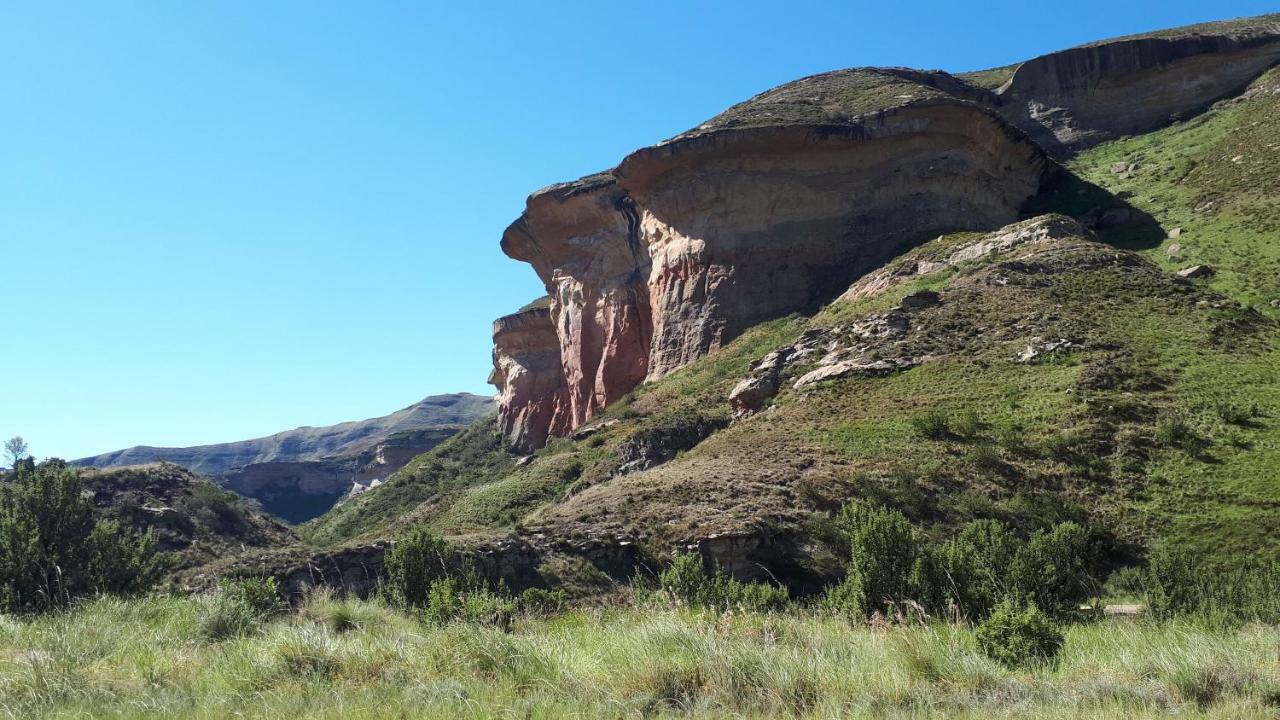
1196 271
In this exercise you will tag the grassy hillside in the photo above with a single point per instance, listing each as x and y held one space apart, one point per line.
1217 178
194 520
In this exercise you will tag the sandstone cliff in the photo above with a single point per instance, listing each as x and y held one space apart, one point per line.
782 201
1083 96
774 205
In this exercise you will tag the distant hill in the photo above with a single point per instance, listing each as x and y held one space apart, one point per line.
298 474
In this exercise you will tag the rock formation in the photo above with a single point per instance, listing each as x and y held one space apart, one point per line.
1077 98
776 204
532 394
782 201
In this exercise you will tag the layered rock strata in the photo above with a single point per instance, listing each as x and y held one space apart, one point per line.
1077 98
781 202
532 394
688 243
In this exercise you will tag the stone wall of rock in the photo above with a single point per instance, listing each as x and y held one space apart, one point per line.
780 202
532 395
1077 98
690 242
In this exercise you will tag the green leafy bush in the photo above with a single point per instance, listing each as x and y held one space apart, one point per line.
1178 583
1019 637
53 550
1234 414
968 425
932 425
217 509
882 548
1175 431
537 601
413 566
239 606
1051 570
974 567
688 581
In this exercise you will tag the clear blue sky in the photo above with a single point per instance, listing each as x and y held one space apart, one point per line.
219 220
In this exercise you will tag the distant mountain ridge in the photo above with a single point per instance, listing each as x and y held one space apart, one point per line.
299 473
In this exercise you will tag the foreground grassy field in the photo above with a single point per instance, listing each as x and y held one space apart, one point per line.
337 659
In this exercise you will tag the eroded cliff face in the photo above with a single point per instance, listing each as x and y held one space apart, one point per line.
780 202
688 243
1077 98
532 394
746 225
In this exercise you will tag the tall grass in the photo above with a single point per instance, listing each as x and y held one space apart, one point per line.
338 658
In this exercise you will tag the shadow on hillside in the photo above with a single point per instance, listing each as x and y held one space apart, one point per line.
1111 217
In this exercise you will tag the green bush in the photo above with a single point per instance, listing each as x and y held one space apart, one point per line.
1051 570
1237 414
217 509
1017 637
882 548
443 600
416 562
1176 431
1178 583
975 565
239 606
932 425
53 550
968 425
688 581
488 608
537 601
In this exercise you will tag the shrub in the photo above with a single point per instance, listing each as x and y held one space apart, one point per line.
688 581
1237 414
443 600
932 425
487 608
974 566
1051 570
1017 637
217 509
968 425
53 550
416 562
1175 431
239 606
537 601
1172 582
1177 583
985 456
882 556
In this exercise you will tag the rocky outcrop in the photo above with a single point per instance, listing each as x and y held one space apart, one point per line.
533 400
1077 98
775 205
782 201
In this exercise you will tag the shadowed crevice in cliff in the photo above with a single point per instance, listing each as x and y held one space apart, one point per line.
1113 219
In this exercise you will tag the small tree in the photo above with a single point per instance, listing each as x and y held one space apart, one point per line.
15 449
882 557
417 561
974 567
1052 570
53 550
